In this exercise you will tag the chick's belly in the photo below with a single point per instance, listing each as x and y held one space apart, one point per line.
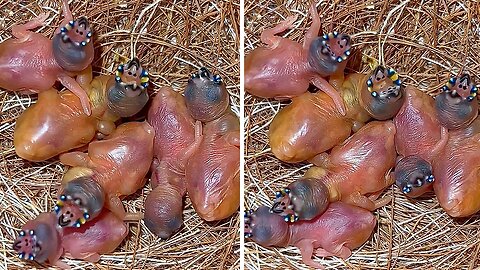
457 181
210 173
52 126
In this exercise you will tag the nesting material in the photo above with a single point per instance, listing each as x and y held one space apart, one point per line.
426 42
172 40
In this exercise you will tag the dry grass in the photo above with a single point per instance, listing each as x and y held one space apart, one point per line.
172 39
425 41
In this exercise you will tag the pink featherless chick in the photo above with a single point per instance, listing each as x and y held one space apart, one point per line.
31 62
355 172
41 240
40 131
213 171
336 232
419 139
113 168
177 137
284 68
457 172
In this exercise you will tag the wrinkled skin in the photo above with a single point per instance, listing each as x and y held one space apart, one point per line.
284 68
40 130
457 104
457 172
175 141
30 62
340 229
355 172
112 168
213 171
420 137
102 235
311 124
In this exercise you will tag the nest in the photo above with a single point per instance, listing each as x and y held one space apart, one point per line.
172 39
426 42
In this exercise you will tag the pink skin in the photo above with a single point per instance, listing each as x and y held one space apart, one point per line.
340 229
176 139
355 172
419 134
20 57
284 68
117 164
311 124
102 235
40 130
457 172
213 171
361 164
418 130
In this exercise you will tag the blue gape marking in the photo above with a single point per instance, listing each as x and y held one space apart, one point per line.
328 51
206 95
70 45
455 104
129 93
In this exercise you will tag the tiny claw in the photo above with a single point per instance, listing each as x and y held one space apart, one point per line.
86 108
43 17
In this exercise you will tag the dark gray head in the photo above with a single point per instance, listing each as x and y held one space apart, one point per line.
383 93
128 95
457 104
206 96
303 199
38 240
265 228
413 176
327 52
163 211
72 47
82 199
